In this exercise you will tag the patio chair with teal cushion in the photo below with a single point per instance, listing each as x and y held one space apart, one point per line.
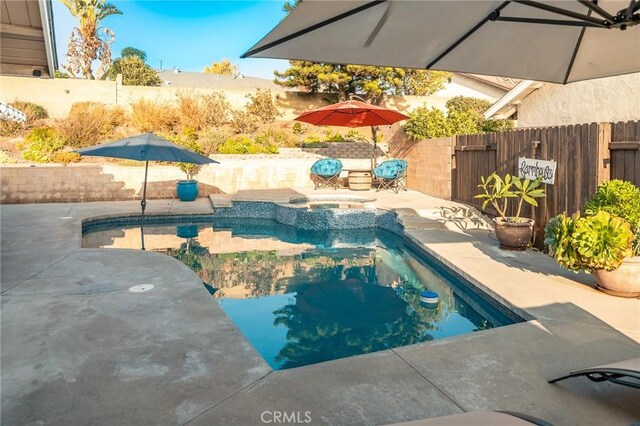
326 173
391 174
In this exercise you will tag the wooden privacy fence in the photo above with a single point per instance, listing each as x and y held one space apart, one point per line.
586 155
625 151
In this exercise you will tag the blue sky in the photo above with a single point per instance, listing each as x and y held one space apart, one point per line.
186 34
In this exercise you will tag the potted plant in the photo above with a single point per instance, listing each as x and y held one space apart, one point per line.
188 189
513 232
605 242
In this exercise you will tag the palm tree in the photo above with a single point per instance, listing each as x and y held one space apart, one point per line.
88 41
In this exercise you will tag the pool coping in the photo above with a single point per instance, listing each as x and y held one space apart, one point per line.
568 326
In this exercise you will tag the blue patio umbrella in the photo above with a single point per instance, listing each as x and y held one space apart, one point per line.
146 147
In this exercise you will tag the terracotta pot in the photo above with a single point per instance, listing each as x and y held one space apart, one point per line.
514 235
624 281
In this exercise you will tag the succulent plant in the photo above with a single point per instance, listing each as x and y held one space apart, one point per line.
588 243
622 199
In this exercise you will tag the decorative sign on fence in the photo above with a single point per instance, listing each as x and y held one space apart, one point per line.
532 168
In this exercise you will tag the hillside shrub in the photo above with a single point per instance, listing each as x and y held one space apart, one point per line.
189 109
198 111
154 116
40 145
312 139
210 138
263 105
216 109
65 157
279 138
5 158
299 128
332 136
244 122
244 145
355 136
10 128
89 123
33 113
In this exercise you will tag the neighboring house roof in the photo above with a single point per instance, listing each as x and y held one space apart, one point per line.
215 81
27 42
506 106
504 83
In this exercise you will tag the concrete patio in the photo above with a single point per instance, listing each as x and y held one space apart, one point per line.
78 348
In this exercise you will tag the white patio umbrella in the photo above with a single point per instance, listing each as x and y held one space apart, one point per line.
558 41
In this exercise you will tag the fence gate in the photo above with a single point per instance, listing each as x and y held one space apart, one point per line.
581 152
625 151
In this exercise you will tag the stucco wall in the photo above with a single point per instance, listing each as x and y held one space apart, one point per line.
57 95
602 100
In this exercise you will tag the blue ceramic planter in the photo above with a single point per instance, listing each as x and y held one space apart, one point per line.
187 231
187 190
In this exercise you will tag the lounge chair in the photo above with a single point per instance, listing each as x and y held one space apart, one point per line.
326 173
391 174
623 373
479 418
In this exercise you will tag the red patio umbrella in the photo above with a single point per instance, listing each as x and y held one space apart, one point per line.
353 114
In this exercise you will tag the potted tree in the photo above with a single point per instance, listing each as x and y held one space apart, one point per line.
188 189
513 232
605 241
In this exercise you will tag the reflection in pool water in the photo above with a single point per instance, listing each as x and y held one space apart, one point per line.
302 297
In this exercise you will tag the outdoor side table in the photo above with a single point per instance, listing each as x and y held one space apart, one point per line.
359 179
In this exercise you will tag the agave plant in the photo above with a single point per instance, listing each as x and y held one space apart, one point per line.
588 243
498 191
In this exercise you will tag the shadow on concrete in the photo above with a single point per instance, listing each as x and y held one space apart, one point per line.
463 217
477 229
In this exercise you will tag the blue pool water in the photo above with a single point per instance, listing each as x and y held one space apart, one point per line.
303 297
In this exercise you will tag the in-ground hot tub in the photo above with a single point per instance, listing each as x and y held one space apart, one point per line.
330 202
315 213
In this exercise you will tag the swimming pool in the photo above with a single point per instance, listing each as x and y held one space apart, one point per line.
306 296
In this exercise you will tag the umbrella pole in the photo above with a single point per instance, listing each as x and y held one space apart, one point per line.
143 203
374 135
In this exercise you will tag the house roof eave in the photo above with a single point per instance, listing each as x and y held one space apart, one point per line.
506 103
